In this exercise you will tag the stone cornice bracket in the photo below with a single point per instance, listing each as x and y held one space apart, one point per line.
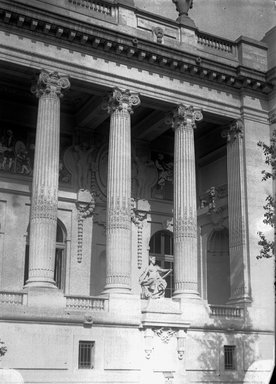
121 100
181 341
234 131
51 84
183 116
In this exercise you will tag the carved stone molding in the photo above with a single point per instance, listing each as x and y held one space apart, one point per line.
183 116
121 100
50 84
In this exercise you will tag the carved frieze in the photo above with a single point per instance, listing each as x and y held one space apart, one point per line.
165 334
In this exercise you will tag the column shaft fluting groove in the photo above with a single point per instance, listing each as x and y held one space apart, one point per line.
118 240
43 218
238 247
185 208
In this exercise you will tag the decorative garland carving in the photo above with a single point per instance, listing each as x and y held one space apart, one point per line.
138 217
85 206
165 334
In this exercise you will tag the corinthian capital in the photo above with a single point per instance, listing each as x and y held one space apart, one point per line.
50 83
121 100
234 131
184 116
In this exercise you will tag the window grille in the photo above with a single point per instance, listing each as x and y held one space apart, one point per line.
86 354
229 357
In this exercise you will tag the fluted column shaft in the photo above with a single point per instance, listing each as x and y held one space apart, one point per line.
43 220
118 241
185 208
238 246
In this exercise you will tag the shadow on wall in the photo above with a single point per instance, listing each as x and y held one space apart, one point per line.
229 355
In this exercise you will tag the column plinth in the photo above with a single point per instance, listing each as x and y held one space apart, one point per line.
118 230
185 209
43 218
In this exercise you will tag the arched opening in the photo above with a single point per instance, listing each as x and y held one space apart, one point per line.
218 267
161 246
60 258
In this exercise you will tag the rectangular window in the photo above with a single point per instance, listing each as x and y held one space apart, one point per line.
86 354
229 357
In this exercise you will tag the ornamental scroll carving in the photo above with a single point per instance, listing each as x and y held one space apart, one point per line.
122 100
50 84
183 116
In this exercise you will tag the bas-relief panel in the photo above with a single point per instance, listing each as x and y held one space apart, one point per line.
17 148
83 164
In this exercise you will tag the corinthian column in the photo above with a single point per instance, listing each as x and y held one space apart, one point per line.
43 221
185 209
118 241
238 246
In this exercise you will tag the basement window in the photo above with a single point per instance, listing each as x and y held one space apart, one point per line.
230 357
86 354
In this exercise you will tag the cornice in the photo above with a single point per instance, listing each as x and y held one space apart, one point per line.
107 43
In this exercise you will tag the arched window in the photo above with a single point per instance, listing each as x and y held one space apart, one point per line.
218 267
60 259
161 246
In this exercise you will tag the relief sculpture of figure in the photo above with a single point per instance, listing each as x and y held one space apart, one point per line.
153 281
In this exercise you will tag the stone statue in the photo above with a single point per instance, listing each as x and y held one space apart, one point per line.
152 282
183 6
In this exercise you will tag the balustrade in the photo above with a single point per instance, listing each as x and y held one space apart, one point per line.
86 303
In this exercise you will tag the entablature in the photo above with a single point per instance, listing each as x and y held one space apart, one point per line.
138 39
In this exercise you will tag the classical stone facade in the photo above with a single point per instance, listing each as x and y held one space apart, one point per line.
131 196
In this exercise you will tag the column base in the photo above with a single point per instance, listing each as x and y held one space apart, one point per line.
40 284
187 294
116 289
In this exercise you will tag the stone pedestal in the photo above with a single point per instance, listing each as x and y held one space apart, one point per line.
43 220
185 209
118 231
